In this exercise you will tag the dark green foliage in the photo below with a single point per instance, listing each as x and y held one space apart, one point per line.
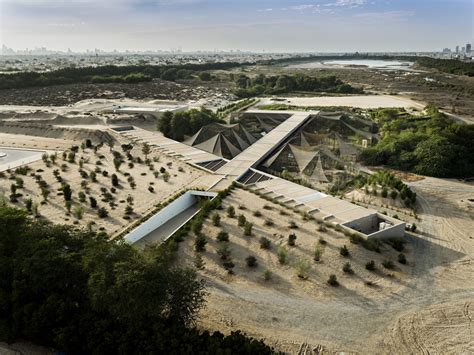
102 212
333 280
265 243
200 243
370 265
179 124
397 243
347 268
67 192
223 236
231 211
251 261
216 219
292 239
344 251
388 264
115 181
247 87
434 146
93 202
241 220
451 66
224 252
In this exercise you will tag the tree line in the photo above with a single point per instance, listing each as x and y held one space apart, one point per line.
109 73
279 84
77 292
433 145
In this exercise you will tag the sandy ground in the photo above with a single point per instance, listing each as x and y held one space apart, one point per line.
181 176
368 101
286 310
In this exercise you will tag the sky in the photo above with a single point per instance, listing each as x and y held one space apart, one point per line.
253 25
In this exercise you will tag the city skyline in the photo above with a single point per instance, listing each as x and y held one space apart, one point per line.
192 25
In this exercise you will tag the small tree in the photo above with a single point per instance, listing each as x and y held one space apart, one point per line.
267 275
402 258
166 176
231 211
28 204
318 253
19 182
370 265
393 194
248 228
146 150
93 176
102 212
115 180
34 209
333 280
198 261
117 164
291 239
241 220
216 219
282 254
224 252
45 193
347 268
223 236
68 205
78 212
264 243
128 210
251 261
93 202
302 268
67 192
130 199
344 251
82 196
200 243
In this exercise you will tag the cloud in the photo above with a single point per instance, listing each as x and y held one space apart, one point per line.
347 3
385 15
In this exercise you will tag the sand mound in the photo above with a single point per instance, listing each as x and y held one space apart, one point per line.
42 130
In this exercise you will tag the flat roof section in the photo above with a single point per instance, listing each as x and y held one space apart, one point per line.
260 149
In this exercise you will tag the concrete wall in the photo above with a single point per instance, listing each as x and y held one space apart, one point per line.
179 205
370 222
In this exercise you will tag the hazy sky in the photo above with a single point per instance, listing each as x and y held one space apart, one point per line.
257 25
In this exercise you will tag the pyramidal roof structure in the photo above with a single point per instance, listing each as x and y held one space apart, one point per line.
224 140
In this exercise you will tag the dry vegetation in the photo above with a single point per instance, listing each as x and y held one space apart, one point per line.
139 186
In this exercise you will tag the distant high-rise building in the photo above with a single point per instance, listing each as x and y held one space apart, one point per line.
468 48
463 49
457 49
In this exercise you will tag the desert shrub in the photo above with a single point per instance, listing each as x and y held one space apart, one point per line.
231 211
344 251
200 243
216 219
388 264
318 253
93 202
248 228
78 212
371 244
413 227
333 280
370 265
355 238
292 239
282 254
67 192
166 176
322 228
322 241
292 225
257 214
302 267
19 182
402 258
347 268
93 176
267 275
397 243
241 220
198 261
267 207
264 243
197 226
224 252
105 173
28 204
393 194
151 189
242 207
229 266
251 261
102 212
115 181
384 192
128 210
283 213
223 236
269 223
82 196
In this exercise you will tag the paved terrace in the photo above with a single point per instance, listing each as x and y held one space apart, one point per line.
258 151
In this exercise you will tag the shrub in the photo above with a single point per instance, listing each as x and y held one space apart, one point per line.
229 266
28 204
413 227
388 264
370 265
292 225
224 252
318 252
267 207
292 239
241 220
402 258
251 261
398 244
248 228
166 176
102 212
282 254
347 268
269 223
344 251
393 194
231 211
82 196
302 268
93 176
322 241
67 192
267 275
200 243
384 192
93 202
78 212
128 210
371 244
223 236
257 214
333 280
198 261
264 243
115 181
151 189
216 219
